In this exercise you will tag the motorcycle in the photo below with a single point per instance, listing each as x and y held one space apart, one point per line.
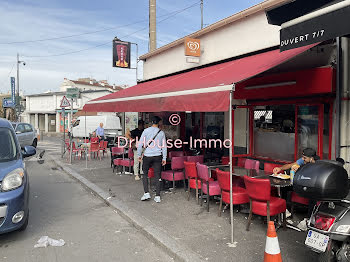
329 231
329 225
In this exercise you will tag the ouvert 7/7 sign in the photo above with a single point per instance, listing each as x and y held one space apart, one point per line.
317 29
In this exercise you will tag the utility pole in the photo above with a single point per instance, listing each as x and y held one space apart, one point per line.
202 14
18 103
152 26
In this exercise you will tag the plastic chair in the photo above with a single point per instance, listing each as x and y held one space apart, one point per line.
94 148
210 188
77 151
176 154
252 164
115 153
192 178
239 194
176 173
296 199
103 147
94 139
196 159
261 201
129 162
241 161
268 167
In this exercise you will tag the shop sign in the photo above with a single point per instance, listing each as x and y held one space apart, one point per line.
121 54
192 47
318 29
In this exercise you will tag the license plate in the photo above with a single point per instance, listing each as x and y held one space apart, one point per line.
317 241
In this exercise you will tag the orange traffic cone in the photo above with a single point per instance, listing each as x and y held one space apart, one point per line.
272 248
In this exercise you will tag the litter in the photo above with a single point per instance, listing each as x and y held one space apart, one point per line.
234 244
302 225
45 241
288 214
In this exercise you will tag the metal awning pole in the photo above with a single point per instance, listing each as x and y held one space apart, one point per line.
86 146
230 154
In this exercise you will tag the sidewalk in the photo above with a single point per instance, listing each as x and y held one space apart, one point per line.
182 227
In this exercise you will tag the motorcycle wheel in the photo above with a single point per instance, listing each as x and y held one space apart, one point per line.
329 255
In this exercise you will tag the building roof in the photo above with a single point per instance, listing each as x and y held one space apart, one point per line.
98 84
63 93
265 5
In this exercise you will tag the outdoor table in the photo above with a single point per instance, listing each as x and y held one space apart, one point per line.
214 165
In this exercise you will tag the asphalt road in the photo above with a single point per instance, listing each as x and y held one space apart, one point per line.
62 209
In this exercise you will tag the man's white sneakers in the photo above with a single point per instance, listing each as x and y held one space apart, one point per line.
145 196
157 199
137 177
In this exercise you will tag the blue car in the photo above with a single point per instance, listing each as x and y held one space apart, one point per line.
14 184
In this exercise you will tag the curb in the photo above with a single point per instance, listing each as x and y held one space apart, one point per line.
154 233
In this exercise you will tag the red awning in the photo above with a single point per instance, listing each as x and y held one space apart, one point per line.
201 90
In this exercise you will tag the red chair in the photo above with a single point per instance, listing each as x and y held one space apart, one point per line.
94 148
77 151
239 194
210 188
176 173
192 178
252 164
128 162
94 139
175 154
268 167
241 161
115 153
261 201
103 147
196 159
295 198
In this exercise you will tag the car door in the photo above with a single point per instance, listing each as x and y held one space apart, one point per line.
29 134
21 135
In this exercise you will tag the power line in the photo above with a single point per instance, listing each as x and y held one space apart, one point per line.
92 32
172 14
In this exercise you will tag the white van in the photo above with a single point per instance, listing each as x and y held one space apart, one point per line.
111 125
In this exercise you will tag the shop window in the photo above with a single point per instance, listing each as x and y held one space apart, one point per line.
274 132
241 131
213 129
307 127
326 128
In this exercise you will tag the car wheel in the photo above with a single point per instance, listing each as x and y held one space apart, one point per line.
35 143
24 226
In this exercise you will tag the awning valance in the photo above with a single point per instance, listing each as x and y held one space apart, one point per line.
200 90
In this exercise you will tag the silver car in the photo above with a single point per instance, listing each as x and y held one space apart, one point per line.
26 134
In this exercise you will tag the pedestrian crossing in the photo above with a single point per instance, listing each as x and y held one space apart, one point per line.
53 147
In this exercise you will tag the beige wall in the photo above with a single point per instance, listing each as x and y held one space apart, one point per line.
247 35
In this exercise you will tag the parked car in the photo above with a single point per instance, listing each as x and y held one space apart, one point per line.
26 134
14 183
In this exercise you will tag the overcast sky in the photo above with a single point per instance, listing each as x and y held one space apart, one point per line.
27 20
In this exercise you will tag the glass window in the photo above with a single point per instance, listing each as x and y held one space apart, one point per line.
76 123
274 133
241 131
307 127
326 126
8 149
28 128
20 128
213 132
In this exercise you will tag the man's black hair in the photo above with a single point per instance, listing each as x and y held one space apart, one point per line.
156 120
309 152
140 122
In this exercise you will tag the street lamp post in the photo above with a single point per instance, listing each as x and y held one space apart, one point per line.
18 104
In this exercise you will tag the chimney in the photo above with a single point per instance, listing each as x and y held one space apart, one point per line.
152 25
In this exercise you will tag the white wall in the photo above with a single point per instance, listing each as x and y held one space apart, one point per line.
247 35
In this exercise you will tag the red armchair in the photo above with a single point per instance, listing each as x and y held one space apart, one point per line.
261 201
192 178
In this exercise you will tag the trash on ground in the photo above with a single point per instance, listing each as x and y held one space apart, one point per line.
290 221
234 244
45 241
288 214
302 225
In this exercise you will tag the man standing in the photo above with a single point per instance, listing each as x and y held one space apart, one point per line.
100 132
135 136
152 147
